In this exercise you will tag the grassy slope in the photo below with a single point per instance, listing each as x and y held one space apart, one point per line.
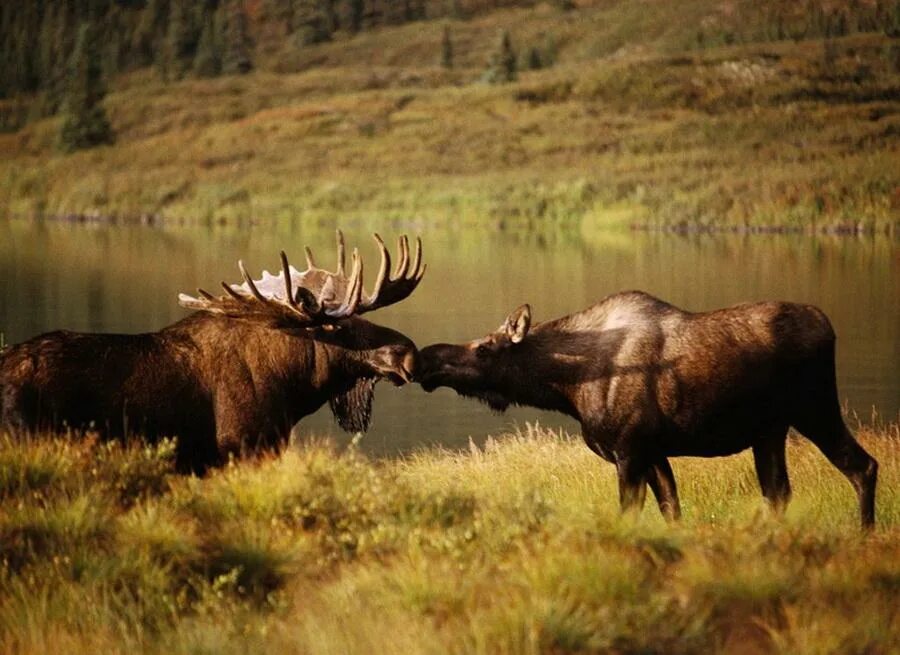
513 548
635 124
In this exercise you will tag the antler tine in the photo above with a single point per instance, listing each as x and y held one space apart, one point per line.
417 259
252 285
356 295
310 260
383 269
347 307
206 295
341 255
393 287
234 294
288 286
403 264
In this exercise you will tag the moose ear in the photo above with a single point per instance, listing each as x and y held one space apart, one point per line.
517 324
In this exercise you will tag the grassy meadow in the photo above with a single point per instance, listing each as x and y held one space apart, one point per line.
689 114
513 547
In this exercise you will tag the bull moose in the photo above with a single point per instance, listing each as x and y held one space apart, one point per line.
649 381
235 375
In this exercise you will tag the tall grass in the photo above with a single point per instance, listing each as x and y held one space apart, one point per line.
514 547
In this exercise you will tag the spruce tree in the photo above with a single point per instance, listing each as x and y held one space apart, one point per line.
52 48
533 60
330 14
502 66
84 120
180 40
507 58
149 32
446 49
236 58
24 70
208 60
357 11
47 47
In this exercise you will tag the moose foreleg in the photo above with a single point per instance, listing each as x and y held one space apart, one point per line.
771 470
633 474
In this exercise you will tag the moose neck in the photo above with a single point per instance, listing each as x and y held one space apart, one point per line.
556 366
538 378
336 368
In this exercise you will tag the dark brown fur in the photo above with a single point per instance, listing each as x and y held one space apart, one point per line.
221 385
649 381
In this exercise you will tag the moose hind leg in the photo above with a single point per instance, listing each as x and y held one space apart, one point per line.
662 484
771 469
13 409
838 445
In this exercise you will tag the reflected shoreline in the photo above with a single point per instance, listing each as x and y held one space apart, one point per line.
684 228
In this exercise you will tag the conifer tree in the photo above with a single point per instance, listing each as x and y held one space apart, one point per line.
357 11
208 60
24 70
180 40
53 44
330 15
533 59
502 66
112 50
236 57
47 47
507 58
149 32
84 120
446 49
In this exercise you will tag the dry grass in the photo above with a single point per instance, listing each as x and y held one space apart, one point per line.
516 547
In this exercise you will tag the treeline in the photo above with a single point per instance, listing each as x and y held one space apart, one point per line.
38 40
203 37
777 20
206 38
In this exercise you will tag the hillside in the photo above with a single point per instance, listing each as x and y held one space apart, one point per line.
652 114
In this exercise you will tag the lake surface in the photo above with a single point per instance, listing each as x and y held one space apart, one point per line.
126 279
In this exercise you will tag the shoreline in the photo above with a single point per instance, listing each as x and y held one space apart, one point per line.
685 228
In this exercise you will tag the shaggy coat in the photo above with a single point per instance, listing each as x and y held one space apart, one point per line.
221 385
649 381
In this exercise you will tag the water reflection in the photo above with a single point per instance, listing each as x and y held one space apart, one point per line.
126 279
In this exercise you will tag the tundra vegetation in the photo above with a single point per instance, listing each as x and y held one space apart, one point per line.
512 546
735 115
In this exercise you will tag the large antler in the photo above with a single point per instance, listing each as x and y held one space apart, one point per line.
394 288
315 295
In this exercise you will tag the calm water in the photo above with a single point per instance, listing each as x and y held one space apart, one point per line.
126 279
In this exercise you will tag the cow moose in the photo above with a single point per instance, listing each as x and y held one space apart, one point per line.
234 376
648 381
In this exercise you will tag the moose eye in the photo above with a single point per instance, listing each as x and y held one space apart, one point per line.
482 351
